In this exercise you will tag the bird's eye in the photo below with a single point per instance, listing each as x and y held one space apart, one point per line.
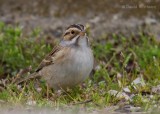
72 32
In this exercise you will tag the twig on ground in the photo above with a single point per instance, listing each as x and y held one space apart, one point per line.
83 102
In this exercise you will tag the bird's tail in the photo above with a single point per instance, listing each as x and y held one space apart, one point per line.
31 76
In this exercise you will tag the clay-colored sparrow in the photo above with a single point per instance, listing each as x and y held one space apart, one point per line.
70 63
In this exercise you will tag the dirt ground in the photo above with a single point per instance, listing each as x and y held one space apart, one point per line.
103 17
71 110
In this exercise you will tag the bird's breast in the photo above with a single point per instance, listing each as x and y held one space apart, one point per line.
82 62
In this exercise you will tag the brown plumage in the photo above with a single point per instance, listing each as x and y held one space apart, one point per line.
49 58
70 33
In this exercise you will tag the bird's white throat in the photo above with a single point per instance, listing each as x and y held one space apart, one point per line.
77 40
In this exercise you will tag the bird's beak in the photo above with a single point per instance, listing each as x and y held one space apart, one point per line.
82 33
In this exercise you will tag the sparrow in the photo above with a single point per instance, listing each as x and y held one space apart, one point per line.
69 63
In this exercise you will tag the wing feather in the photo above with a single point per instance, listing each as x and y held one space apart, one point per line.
51 57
